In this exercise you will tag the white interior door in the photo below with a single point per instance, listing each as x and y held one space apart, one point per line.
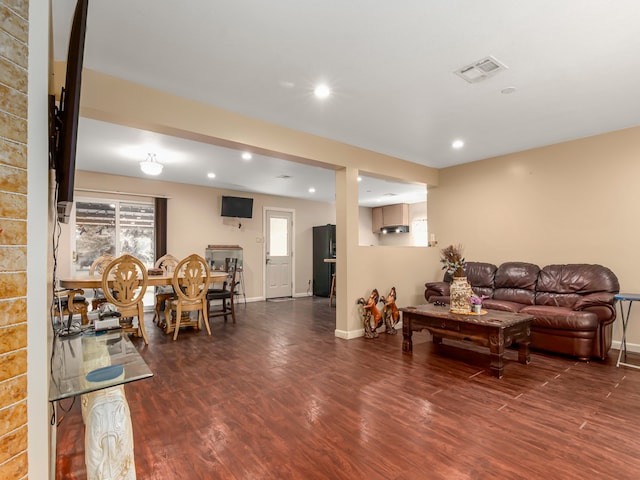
279 257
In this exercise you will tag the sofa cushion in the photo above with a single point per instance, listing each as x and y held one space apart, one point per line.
561 318
480 276
565 285
502 305
516 282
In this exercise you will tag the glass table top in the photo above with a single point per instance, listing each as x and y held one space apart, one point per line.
94 361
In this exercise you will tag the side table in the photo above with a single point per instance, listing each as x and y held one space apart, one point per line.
629 298
95 366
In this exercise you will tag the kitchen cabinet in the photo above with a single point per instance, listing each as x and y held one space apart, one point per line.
389 216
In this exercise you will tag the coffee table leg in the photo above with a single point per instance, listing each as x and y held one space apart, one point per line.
407 343
437 339
496 352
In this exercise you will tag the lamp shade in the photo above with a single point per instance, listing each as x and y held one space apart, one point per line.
151 166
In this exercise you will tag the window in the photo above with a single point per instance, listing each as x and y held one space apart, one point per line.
419 232
115 227
278 237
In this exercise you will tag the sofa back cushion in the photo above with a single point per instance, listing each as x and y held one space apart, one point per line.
564 285
516 282
480 276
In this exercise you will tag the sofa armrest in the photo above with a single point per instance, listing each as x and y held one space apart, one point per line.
436 289
595 300
602 303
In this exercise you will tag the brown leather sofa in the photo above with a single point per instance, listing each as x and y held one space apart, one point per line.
573 305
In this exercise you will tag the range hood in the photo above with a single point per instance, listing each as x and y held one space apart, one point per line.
395 229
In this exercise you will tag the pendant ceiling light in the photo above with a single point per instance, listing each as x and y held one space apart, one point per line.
151 166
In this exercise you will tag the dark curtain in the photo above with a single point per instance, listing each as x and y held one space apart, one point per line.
161 227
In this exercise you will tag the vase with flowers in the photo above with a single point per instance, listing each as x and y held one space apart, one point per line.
460 291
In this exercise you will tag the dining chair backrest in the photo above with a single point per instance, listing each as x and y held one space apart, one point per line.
100 263
97 267
191 278
167 263
124 281
190 282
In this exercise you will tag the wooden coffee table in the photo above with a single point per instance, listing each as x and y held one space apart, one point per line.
494 329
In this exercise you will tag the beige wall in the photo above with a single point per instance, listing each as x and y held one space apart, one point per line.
573 202
365 234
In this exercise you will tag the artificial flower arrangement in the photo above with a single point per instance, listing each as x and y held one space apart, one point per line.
477 300
476 303
453 261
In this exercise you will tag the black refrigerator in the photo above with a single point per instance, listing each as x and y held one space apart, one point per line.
324 246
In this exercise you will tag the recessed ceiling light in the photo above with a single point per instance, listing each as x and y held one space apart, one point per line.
211 175
508 90
457 144
359 179
246 156
312 190
322 91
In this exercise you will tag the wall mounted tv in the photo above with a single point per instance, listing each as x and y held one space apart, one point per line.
63 119
238 207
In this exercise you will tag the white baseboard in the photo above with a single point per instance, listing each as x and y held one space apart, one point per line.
351 334
348 335
631 347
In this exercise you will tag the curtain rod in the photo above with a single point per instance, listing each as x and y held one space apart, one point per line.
115 192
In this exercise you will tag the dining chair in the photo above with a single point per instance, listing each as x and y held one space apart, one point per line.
332 292
124 283
168 264
225 294
68 303
190 282
97 267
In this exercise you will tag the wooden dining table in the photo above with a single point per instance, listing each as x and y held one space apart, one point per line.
86 281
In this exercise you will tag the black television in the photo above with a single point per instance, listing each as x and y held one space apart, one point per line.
238 207
63 118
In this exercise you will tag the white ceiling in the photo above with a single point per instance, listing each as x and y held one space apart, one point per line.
573 63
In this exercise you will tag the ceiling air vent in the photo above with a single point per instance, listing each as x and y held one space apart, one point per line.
480 70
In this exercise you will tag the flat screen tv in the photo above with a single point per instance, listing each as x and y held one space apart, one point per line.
63 118
238 207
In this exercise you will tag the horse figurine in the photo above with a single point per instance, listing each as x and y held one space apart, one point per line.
390 313
370 315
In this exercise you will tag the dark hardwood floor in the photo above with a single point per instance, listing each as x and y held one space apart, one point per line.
278 396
